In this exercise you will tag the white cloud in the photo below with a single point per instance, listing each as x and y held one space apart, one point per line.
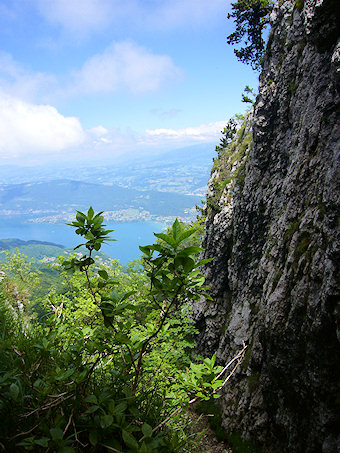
27 129
98 131
203 133
18 81
79 16
122 66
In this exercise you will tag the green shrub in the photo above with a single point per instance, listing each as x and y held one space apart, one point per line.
108 367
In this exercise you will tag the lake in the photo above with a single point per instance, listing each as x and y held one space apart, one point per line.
128 235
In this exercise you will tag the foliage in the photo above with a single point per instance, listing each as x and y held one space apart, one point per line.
251 18
108 367
228 135
248 96
21 277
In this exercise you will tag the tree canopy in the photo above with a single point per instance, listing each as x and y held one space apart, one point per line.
251 18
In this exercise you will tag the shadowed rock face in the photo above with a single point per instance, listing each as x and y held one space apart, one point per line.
274 233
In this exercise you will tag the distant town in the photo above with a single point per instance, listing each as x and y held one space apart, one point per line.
120 215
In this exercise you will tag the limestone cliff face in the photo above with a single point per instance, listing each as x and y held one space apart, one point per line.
273 230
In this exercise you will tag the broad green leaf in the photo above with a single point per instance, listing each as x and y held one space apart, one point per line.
143 448
120 408
98 215
14 391
106 421
127 295
92 409
216 384
56 433
122 338
89 235
66 450
176 230
90 213
43 442
130 440
103 274
80 217
87 330
187 263
205 261
145 249
147 430
166 238
186 234
91 399
65 374
28 441
189 251
93 437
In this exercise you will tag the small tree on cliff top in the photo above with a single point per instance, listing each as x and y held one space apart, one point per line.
251 18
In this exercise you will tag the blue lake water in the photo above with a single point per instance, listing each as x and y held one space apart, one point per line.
128 235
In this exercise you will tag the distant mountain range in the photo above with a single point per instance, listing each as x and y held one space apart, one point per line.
43 251
184 171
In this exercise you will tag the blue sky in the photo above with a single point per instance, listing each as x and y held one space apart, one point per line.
97 79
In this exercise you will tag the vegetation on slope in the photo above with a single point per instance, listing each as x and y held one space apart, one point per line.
106 365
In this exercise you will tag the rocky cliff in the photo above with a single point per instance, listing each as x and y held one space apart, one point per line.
273 229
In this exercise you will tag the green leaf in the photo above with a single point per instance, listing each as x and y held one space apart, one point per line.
176 229
14 391
80 217
186 234
106 421
145 249
91 399
130 440
187 263
43 442
143 448
103 274
120 408
92 409
93 437
126 295
87 331
90 213
189 251
66 450
147 430
166 238
56 433
205 261
65 374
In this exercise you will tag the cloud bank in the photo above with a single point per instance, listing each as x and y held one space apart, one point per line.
77 16
27 129
82 17
203 133
124 66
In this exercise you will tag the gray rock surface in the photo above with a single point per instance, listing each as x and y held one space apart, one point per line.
272 226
